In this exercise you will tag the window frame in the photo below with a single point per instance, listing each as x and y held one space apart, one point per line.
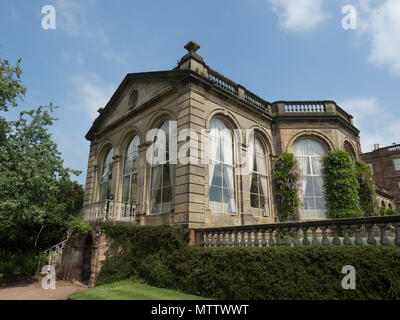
162 167
267 198
215 205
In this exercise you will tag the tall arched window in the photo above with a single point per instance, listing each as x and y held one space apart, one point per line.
130 173
259 189
222 194
106 176
163 179
309 154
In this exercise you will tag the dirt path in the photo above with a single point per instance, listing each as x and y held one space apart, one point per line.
34 291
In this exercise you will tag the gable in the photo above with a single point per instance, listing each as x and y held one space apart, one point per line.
148 86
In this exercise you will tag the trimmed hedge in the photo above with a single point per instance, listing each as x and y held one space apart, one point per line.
302 272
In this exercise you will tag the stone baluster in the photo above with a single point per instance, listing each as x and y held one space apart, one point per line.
242 242
271 237
256 242
346 240
212 239
296 240
336 240
263 238
249 242
236 241
201 239
207 242
384 241
315 240
278 237
288 241
358 236
325 240
371 239
230 243
223 238
218 242
397 231
306 242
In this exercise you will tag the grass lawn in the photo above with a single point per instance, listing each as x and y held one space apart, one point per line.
130 290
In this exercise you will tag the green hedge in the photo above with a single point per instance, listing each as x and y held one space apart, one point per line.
302 272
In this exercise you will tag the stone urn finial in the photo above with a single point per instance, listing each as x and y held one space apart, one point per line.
192 47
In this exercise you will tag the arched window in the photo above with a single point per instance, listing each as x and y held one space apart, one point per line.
390 205
130 173
383 205
222 194
259 188
349 149
309 154
163 179
106 176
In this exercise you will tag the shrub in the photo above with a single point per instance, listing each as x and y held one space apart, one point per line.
301 272
341 186
15 265
287 176
366 188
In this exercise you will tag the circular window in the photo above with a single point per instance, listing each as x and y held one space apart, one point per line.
133 99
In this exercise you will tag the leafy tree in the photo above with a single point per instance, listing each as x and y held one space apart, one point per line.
341 186
33 181
11 90
38 200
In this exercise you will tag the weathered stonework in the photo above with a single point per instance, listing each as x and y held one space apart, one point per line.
192 94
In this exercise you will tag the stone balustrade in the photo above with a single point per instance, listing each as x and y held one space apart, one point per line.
223 82
110 210
354 231
305 106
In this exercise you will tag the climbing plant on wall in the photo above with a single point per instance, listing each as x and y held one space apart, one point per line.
341 186
366 189
287 177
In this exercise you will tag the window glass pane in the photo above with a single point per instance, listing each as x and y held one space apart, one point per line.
254 183
217 179
309 154
215 194
397 163
254 200
166 175
227 177
125 189
133 189
309 187
318 186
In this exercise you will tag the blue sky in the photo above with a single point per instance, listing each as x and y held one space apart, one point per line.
279 49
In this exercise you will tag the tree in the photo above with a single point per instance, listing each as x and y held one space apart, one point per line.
11 90
38 200
34 185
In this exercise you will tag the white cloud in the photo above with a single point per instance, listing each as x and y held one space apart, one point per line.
298 15
71 18
379 21
90 93
376 122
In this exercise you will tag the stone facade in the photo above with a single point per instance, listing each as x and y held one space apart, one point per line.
192 94
385 173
